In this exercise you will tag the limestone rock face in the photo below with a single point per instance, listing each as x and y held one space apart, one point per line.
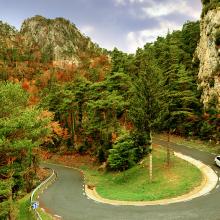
58 38
208 53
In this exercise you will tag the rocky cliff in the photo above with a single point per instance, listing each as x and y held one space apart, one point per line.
208 53
57 38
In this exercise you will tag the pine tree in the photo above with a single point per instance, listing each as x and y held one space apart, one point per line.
146 103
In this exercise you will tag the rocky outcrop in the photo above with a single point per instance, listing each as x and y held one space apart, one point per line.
57 38
208 53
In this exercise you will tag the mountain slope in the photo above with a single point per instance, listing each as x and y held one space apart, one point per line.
58 39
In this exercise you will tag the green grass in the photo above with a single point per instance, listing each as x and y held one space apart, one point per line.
24 211
134 185
26 214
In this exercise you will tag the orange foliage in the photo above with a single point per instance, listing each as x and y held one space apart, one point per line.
62 76
44 78
114 137
10 160
59 131
33 89
65 134
25 85
99 61
46 114
33 100
101 75
57 128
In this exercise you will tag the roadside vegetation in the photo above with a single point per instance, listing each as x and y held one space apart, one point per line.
24 209
25 212
192 142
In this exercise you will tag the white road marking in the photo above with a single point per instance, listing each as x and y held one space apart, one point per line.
84 194
58 216
217 186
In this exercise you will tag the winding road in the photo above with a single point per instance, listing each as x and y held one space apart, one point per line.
66 198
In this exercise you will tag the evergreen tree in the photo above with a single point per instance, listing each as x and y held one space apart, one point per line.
146 103
22 128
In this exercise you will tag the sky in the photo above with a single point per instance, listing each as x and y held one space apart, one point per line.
125 24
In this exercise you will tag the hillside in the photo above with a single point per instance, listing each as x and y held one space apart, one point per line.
58 39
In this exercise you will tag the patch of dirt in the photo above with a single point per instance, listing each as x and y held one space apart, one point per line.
42 173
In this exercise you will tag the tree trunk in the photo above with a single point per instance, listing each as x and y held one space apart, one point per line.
80 114
10 199
150 160
168 149
72 118
150 167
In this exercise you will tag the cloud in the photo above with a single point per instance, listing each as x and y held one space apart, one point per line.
158 9
120 2
136 1
143 9
140 38
87 29
125 2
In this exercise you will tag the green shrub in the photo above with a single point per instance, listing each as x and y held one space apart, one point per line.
123 154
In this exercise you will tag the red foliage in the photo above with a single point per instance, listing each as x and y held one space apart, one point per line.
25 85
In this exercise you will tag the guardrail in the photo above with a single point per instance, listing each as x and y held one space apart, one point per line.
35 203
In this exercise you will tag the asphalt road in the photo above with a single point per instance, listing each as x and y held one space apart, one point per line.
66 198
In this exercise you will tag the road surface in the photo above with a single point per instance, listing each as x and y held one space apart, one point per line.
66 198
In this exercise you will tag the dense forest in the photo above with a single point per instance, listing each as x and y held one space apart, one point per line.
106 105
